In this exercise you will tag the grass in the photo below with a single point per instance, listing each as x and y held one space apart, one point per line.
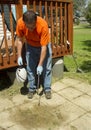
81 52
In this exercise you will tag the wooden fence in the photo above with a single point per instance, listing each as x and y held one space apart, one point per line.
57 13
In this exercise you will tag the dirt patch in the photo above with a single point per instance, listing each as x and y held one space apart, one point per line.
38 117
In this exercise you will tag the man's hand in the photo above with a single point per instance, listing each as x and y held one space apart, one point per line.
20 62
39 70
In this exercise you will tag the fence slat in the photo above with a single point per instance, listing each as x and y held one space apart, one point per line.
12 34
5 36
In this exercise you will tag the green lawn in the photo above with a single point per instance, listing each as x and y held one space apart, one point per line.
81 52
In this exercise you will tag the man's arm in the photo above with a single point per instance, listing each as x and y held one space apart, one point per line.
19 43
19 46
42 55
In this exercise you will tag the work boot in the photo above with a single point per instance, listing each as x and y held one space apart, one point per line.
48 94
30 95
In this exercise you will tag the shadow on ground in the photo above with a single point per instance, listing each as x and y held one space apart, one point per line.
87 45
5 81
7 78
24 89
86 66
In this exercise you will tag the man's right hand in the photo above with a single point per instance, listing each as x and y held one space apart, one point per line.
39 70
20 62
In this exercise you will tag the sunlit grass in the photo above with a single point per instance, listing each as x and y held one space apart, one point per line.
82 54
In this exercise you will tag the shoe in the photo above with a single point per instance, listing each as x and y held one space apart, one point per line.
30 95
48 95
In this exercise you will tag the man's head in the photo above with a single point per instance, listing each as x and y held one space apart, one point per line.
29 18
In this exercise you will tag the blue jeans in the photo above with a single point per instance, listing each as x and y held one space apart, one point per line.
32 59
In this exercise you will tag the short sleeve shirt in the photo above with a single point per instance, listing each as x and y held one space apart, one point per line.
38 37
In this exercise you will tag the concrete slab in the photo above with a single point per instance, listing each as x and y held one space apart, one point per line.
83 87
19 99
69 109
82 123
5 120
16 127
5 104
68 112
88 93
55 101
70 93
84 102
58 86
70 82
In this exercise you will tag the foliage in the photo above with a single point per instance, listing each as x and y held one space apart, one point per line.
88 13
77 21
79 6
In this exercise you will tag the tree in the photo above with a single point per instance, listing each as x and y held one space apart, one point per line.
79 6
88 13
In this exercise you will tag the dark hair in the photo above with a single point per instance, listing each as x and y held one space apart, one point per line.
29 17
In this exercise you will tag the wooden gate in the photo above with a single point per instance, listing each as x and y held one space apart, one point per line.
57 13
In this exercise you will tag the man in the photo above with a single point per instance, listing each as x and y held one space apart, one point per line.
38 50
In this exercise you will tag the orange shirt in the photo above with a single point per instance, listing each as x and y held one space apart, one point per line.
38 37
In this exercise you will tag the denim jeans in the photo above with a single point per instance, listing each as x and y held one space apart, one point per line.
32 59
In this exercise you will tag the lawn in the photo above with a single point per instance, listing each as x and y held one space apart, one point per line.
81 52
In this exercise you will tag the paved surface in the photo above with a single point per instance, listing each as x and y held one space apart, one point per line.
69 109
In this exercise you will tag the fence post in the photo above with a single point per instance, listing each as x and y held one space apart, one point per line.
19 9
